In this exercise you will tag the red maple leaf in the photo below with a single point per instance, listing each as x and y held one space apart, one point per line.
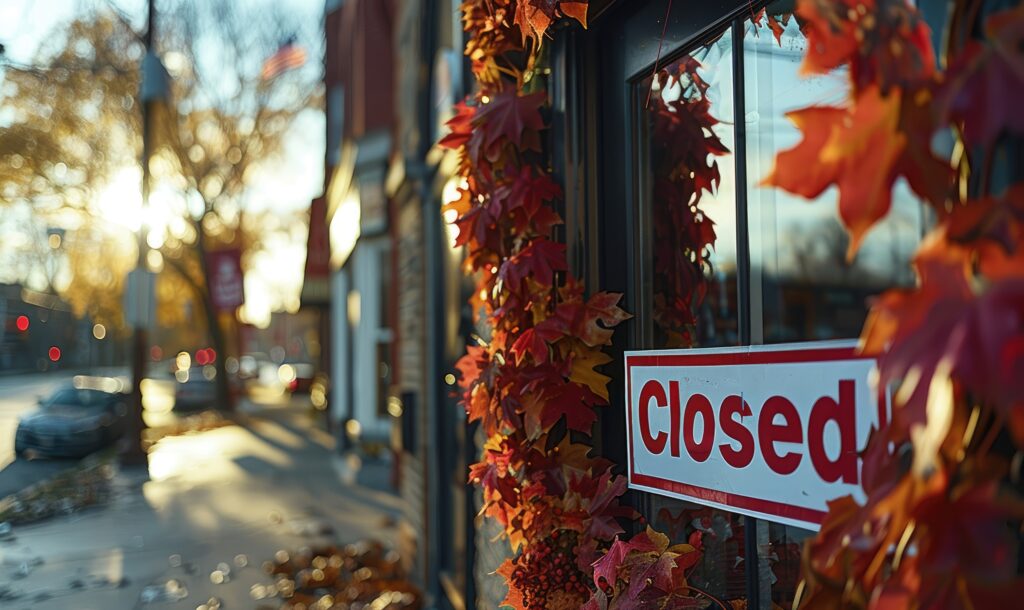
572 401
651 571
539 260
985 80
885 42
460 127
534 17
607 567
494 471
604 509
535 340
510 116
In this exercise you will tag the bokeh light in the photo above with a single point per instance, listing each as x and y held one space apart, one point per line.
99 331
286 373
22 323
54 354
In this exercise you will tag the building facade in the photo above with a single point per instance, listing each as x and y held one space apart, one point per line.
776 271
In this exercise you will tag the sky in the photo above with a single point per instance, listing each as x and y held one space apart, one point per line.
291 182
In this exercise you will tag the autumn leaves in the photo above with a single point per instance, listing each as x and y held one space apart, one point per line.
531 383
938 476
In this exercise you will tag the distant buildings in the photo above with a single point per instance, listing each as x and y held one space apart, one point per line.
40 333
393 71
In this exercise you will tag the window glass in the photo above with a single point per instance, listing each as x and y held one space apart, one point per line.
779 548
808 290
687 188
719 574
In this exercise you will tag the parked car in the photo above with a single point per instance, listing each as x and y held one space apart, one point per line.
76 420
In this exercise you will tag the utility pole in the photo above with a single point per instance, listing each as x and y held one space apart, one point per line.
155 90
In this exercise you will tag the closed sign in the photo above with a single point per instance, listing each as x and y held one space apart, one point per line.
772 432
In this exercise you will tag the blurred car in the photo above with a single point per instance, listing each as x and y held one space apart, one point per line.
196 388
76 420
296 376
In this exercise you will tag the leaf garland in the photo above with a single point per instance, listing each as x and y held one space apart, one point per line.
534 382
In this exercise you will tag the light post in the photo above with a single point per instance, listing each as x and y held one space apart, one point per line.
155 90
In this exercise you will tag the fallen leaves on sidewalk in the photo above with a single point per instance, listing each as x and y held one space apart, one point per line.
86 484
330 577
180 426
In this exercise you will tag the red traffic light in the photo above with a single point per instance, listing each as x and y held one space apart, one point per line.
22 323
54 353
206 356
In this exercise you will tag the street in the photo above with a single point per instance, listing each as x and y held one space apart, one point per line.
197 525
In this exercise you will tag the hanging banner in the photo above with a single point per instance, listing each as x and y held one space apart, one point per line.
769 431
227 284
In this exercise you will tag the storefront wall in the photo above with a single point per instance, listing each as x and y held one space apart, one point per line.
634 101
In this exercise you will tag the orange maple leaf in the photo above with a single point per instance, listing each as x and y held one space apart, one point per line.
862 149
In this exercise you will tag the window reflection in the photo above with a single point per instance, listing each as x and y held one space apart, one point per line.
798 248
779 548
687 184
719 573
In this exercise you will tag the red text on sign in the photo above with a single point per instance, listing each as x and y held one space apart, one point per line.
778 428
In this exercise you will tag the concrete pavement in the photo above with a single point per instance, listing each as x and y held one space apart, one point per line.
199 522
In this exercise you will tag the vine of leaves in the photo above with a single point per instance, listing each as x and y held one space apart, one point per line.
533 382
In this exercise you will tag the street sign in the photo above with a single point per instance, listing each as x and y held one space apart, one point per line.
772 432
139 299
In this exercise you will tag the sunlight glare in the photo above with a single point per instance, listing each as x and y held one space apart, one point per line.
120 201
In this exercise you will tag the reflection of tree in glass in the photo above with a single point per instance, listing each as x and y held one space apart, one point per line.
683 147
720 569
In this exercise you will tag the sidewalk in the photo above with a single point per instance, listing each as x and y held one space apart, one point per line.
212 508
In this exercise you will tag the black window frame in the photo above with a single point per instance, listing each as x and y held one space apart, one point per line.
595 122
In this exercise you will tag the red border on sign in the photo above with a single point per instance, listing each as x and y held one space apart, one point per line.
738 358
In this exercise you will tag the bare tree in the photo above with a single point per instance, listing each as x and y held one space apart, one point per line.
226 123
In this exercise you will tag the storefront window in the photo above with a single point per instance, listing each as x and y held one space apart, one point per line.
798 279
688 192
808 289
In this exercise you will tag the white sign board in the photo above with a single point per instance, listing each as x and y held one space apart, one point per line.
772 432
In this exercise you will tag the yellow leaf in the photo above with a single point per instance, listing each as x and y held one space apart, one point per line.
583 362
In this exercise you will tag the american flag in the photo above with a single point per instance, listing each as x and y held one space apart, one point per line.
288 57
